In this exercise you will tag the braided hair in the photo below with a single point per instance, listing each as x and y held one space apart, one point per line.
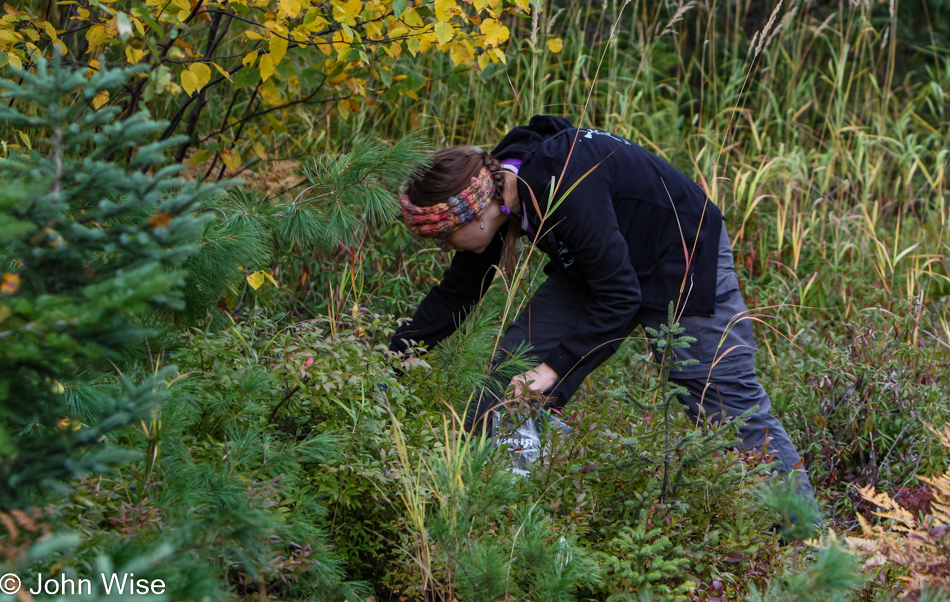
450 172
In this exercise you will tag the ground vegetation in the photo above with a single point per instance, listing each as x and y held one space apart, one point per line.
195 384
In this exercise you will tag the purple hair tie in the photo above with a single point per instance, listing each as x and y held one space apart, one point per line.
504 210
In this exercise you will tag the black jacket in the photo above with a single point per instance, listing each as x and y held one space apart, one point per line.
618 234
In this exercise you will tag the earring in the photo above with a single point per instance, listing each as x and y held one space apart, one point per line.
482 227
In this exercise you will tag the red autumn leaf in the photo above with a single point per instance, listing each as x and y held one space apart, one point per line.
160 220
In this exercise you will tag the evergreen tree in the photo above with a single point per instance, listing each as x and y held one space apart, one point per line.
96 238
343 195
93 231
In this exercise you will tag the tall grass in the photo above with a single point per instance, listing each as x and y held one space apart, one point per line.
822 137
826 154
805 128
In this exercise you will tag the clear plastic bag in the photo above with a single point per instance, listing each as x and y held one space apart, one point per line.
521 436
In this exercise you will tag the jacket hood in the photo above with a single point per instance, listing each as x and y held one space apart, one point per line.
521 142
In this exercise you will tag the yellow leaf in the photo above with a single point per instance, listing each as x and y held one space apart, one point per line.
253 35
397 29
462 52
223 72
291 7
411 18
83 13
256 280
495 32
189 82
523 5
341 41
50 30
133 55
425 42
271 95
499 55
444 32
479 4
373 30
250 58
202 74
314 20
231 158
446 9
267 67
483 61
395 49
555 45
270 278
346 11
100 99
348 105
278 48
9 284
32 51
96 35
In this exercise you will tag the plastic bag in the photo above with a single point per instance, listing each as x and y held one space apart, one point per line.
522 438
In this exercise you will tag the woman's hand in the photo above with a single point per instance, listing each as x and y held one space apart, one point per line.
541 378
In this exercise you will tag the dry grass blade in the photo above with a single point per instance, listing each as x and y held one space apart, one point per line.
681 11
765 30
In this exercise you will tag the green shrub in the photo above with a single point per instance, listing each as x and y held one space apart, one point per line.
93 234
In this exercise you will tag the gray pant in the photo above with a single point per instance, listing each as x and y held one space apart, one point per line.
729 388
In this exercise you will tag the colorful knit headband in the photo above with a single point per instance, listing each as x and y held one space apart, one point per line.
438 221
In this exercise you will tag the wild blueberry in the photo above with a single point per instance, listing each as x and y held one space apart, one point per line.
383 387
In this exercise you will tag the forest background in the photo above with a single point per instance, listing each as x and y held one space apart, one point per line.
194 382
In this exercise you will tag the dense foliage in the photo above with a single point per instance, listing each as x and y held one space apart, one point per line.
241 78
195 385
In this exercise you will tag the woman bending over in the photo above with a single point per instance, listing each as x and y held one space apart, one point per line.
616 260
